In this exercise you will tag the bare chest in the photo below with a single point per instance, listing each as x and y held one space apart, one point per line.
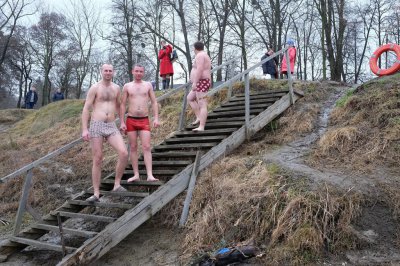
138 92
106 95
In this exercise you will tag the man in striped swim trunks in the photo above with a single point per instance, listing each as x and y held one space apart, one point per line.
103 99
201 83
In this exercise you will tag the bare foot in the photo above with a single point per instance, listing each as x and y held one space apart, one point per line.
152 179
197 129
133 179
195 122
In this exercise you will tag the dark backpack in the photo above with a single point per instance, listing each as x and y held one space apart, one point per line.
174 56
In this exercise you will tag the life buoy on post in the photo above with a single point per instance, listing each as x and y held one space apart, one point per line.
373 62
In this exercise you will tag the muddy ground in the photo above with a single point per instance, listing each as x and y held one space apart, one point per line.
154 244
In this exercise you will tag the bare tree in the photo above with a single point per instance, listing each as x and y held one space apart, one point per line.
11 12
46 40
82 27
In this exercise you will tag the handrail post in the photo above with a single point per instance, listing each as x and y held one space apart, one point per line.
247 104
23 201
182 117
289 75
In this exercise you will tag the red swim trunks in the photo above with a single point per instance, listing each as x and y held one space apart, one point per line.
137 123
203 85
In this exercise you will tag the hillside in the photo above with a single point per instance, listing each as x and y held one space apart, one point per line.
305 189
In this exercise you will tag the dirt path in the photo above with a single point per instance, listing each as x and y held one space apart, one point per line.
376 225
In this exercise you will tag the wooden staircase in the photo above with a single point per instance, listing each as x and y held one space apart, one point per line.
89 230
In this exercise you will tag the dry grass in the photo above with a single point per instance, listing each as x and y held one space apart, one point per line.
365 128
242 200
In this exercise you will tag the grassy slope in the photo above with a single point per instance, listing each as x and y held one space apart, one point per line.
238 199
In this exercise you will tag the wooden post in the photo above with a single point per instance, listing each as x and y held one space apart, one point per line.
229 94
192 183
182 118
247 104
64 251
289 74
22 202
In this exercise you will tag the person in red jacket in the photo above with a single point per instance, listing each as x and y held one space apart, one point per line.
166 68
292 58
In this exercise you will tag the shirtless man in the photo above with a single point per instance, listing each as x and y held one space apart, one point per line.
138 93
103 99
201 83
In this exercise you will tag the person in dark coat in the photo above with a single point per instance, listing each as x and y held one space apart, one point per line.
31 98
58 95
269 67
166 68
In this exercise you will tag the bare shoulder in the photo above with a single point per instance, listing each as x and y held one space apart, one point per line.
93 89
115 86
148 85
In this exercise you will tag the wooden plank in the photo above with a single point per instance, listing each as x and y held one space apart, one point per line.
215 125
194 139
227 119
241 107
155 172
173 154
184 146
70 231
254 97
210 132
136 183
173 163
101 204
40 244
23 201
266 92
121 194
90 217
254 101
235 113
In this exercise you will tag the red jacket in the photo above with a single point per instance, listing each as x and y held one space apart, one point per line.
165 61
292 57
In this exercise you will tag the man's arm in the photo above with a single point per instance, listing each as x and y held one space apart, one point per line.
122 108
86 112
154 105
196 74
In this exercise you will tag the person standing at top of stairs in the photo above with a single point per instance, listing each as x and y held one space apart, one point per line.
138 93
103 100
200 76
166 67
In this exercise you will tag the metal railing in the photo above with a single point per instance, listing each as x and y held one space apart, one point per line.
23 204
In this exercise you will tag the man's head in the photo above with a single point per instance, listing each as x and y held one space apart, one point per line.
107 72
59 90
138 72
33 89
198 46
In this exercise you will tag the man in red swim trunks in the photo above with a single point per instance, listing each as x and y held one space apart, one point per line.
201 83
138 93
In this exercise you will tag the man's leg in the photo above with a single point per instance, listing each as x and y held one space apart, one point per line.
146 147
132 137
97 154
202 103
117 142
195 106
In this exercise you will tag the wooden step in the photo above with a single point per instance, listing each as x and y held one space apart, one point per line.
252 102
185 146
210 132
241 107
135 183
159 172
90 217
120 194
101 204
235 113
228 119
258 97
173 154
267 92
70 231
174 163
214 125
195 139
41 244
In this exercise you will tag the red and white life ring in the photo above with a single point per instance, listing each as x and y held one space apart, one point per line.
373 62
